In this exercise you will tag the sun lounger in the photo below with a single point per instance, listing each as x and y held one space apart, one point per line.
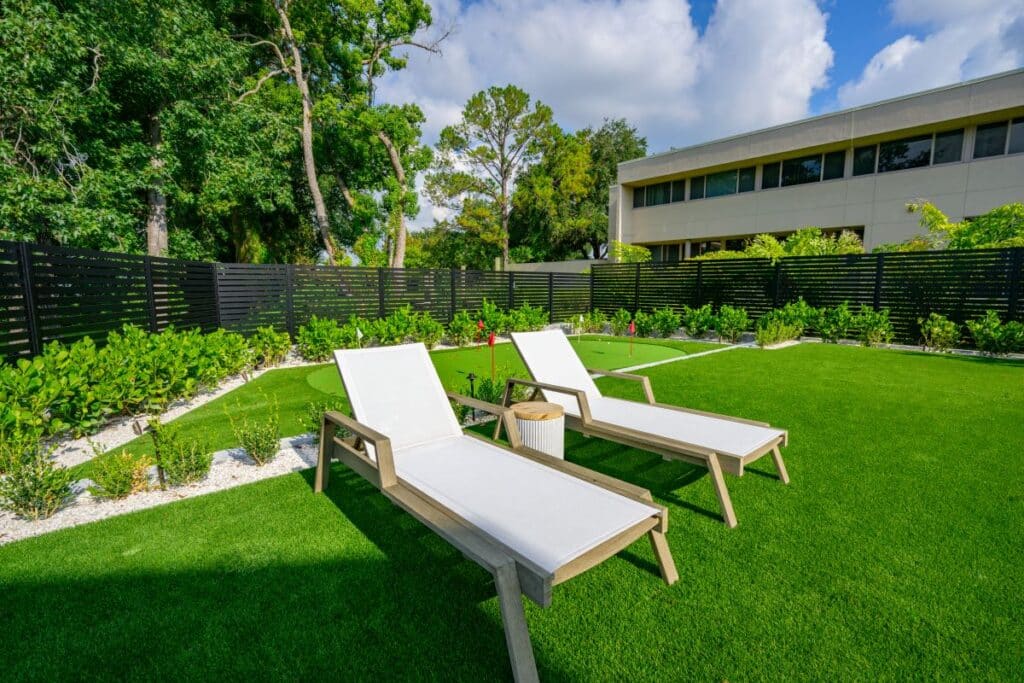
531 520
718 442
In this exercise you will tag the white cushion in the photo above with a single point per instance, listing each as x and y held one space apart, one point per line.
550 358
396 390
547 516
722 436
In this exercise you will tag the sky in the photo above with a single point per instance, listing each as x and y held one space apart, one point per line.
685 72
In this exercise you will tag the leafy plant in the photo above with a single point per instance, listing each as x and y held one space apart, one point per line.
17 445
620 322
594 321
269 347
314 415
731 323
697 321
527 318
397 328
462 329
873 327
666 321
938 332
495 320
318 339
119 475
35 488
643 323
774 327
993 336
427 330
260 435
179 460
834 323
800 314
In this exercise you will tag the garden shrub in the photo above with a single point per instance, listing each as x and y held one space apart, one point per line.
873 327
774 327
179 460
427 330
314 416
995 337
527 318
938 332
17 445
666 321
644 324
259 435
350 333
495 320
36 487
834 323
269 347
119 475
318 339
731 322
397 328
620 322
799 313
462 330
594 322
697 321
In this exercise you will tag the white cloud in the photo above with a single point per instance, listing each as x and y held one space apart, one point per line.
757 64
961 40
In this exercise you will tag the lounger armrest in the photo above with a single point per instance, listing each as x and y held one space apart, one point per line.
578 394
505 416
644 380
385 464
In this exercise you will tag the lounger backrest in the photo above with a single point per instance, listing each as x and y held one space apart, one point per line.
396 390
551 359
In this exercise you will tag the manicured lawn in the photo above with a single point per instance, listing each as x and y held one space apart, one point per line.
896 553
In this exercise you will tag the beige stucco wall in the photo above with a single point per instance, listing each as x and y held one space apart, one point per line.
575 266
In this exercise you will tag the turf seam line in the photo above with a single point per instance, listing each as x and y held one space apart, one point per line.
644 366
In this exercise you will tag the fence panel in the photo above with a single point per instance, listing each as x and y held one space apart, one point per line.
570 296
337 293
615 287
425 290
253 296
829 280
473 286
15 335
184 294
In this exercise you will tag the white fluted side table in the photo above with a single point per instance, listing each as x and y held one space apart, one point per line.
541 426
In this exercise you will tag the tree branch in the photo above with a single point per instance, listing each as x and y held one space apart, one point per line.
259 84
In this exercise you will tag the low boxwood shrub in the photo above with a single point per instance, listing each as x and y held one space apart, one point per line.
666 321
731 322
643 323
993 336
873 327
259 435
269 347
463 329
834 323
620 322
938 332
119 475
697 321
35 488
774 327
318 339
179 460
17 445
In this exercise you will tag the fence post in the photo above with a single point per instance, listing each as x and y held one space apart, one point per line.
636 288
551 297
150 294
590 303
381 303
455 297
1016 266
776 283
289 310
700 284
876 301
215 270
511 290
28 291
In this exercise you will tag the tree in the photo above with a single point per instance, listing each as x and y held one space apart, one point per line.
620 252
999 228
480 157
611 144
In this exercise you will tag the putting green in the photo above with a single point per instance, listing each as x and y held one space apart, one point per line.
454 364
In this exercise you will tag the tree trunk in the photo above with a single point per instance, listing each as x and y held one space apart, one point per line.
156 222
504 223
308 161
398 258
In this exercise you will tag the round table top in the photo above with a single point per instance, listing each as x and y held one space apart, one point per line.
537 410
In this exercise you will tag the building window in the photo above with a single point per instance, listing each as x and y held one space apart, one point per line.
770 176
864 160
1016 136
906 153
719 184
638 197
658 194
697 187
835 165
801 170
990 140
736 244
671 252
678 190
948 146
746 179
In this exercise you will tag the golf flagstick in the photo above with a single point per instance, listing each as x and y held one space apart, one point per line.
632 333
490 342
359 338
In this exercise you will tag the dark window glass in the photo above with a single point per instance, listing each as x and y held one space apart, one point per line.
735 245
671 252
802 170
990 140
864 160
658 194
678 190
697 187
906 153
948 146
770 175
655 250
1017 136
835 165
638 197
722 183
746 180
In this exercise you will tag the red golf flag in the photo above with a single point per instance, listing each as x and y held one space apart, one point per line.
480 325
490 339
632 328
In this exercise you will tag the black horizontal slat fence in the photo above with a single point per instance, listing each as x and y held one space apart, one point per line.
61 294
959 284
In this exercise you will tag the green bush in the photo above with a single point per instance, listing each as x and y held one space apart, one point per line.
17 445
495 320
119 475
938 332
527 318
350 333
179 460
427 330
319 338
397 328
697 321
774 327
594 322
873 327
644 324
259 435
731 322
666 321
995 337
35 488
462 330
800 314
314 416
269 347
834 323
620 322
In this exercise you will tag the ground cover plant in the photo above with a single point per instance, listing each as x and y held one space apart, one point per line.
894 554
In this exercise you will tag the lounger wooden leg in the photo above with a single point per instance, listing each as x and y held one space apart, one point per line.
664 556
323 461
723 493
779 465
517 636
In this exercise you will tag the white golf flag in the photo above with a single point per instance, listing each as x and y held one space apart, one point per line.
359 334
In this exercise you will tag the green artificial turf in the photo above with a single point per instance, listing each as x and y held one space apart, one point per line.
895 554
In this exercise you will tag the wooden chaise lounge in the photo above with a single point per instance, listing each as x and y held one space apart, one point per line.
531 520
718 442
